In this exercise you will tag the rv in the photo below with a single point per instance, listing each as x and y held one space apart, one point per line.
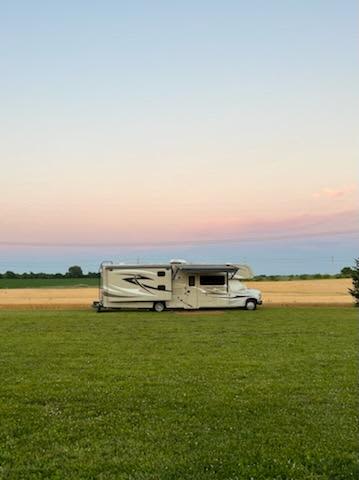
176 285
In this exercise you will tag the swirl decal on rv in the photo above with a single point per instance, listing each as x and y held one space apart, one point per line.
135 281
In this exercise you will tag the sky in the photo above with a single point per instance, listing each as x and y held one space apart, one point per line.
211 131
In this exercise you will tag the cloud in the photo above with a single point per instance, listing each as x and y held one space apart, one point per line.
334 192
309 226
295 226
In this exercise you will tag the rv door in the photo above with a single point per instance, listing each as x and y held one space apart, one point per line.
190 293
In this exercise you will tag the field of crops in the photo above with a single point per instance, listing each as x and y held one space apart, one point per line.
298 292
270 394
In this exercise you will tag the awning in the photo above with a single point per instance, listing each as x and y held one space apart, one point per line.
206 268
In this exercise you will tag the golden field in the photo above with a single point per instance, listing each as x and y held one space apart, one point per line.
323 292
298 292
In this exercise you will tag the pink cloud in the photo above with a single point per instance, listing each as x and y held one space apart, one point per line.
334 192
296 225
329 225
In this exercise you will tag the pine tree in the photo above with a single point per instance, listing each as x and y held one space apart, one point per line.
354 292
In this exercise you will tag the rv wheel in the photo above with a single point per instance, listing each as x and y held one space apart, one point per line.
159 306
251 305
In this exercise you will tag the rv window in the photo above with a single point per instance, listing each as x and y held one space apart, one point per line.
161 274
191 281
161 287
212 280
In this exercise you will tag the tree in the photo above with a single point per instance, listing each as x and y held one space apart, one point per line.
354 292
10 274
75 272
346 272
93 274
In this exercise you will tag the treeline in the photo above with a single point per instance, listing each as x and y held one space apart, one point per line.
76 272
73 272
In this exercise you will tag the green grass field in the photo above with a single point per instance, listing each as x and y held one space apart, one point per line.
270 394
48 282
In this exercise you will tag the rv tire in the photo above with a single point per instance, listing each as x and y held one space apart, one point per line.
158 307
251 304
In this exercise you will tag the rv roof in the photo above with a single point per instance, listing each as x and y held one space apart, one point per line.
186 267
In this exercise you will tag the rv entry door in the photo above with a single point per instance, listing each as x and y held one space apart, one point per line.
191 297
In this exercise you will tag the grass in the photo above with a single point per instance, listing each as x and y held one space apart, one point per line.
48 282
270 394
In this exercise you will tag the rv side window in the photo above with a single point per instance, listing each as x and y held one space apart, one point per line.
161 287
212 280
161 274
191 281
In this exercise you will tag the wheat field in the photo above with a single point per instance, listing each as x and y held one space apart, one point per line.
299 292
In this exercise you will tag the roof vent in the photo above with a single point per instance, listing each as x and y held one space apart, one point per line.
176 261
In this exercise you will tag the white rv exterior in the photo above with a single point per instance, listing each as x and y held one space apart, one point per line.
176 285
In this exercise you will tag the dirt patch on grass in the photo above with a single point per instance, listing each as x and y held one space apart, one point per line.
298 292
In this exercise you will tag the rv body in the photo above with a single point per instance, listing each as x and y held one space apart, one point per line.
177 285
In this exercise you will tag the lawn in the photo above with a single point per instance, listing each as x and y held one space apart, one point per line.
48 282
270 394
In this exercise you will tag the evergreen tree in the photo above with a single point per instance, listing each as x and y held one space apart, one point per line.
354 292
346 272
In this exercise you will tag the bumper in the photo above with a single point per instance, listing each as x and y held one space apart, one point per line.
259 302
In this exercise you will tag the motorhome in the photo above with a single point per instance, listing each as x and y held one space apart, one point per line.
176 285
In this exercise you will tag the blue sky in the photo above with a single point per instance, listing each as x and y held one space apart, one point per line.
209 130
